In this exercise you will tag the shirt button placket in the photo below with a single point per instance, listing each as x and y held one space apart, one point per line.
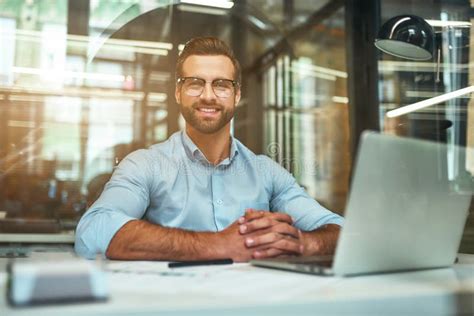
218 199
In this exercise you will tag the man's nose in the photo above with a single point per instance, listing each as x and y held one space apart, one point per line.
208 92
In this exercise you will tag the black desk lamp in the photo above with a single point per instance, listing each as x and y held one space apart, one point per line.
411 37
407 36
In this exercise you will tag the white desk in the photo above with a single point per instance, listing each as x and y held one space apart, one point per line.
66 237
150 288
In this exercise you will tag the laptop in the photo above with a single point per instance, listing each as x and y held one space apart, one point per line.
406 210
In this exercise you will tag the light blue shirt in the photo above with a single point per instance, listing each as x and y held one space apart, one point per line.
172 184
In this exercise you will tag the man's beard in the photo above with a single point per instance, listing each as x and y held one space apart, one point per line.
206 126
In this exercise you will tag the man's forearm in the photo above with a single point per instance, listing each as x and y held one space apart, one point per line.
141 240
321 241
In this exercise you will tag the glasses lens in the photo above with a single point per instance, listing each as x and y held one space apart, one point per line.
193 86
223 87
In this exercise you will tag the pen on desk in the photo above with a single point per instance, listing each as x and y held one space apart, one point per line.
199 263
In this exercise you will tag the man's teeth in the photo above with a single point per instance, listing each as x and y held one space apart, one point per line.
207 110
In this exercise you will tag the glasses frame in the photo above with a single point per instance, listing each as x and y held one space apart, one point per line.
235 84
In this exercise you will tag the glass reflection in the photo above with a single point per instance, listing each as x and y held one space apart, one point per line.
82 84
82 88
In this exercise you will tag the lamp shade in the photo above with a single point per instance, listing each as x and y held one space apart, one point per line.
406 36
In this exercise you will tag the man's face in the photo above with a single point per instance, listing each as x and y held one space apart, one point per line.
207 113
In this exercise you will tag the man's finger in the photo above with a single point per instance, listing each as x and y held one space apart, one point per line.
282 217
271 253
289 245
285 229
267 253
266 223
280 228
251 214
275 240
256 224
257 241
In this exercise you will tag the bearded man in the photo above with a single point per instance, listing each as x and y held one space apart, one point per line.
202 194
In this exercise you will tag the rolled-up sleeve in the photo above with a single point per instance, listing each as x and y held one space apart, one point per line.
125 198
290 198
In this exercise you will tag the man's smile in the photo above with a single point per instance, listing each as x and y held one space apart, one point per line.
207 111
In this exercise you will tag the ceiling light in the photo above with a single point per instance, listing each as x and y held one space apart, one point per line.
439 23
222 4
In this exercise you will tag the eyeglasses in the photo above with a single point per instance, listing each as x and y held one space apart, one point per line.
223 88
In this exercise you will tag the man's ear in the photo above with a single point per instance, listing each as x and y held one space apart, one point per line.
237 96
177 94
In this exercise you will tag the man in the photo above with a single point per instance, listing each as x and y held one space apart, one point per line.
202 194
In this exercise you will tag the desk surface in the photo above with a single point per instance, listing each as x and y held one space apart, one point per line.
64 237
147 288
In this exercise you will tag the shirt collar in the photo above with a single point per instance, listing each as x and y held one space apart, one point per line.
195 153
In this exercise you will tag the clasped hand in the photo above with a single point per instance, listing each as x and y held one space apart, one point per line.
263 234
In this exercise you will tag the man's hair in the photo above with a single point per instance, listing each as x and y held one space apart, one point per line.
207 46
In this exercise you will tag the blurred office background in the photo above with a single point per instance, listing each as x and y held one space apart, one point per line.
85 82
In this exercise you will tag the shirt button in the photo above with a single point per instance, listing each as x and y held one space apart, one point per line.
219 202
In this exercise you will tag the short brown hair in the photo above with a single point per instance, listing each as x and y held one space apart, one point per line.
207 46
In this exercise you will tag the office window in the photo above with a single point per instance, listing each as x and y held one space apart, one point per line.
306 111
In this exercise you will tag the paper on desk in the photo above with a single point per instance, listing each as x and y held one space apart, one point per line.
224 284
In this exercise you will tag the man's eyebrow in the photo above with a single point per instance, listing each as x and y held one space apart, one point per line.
217 78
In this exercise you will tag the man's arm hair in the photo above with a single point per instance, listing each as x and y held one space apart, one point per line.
142 240
321 241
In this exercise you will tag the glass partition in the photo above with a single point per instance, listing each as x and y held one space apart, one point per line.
305 101
405 82
84 83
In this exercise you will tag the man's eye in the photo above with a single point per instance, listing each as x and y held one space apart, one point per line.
223 84
194 83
